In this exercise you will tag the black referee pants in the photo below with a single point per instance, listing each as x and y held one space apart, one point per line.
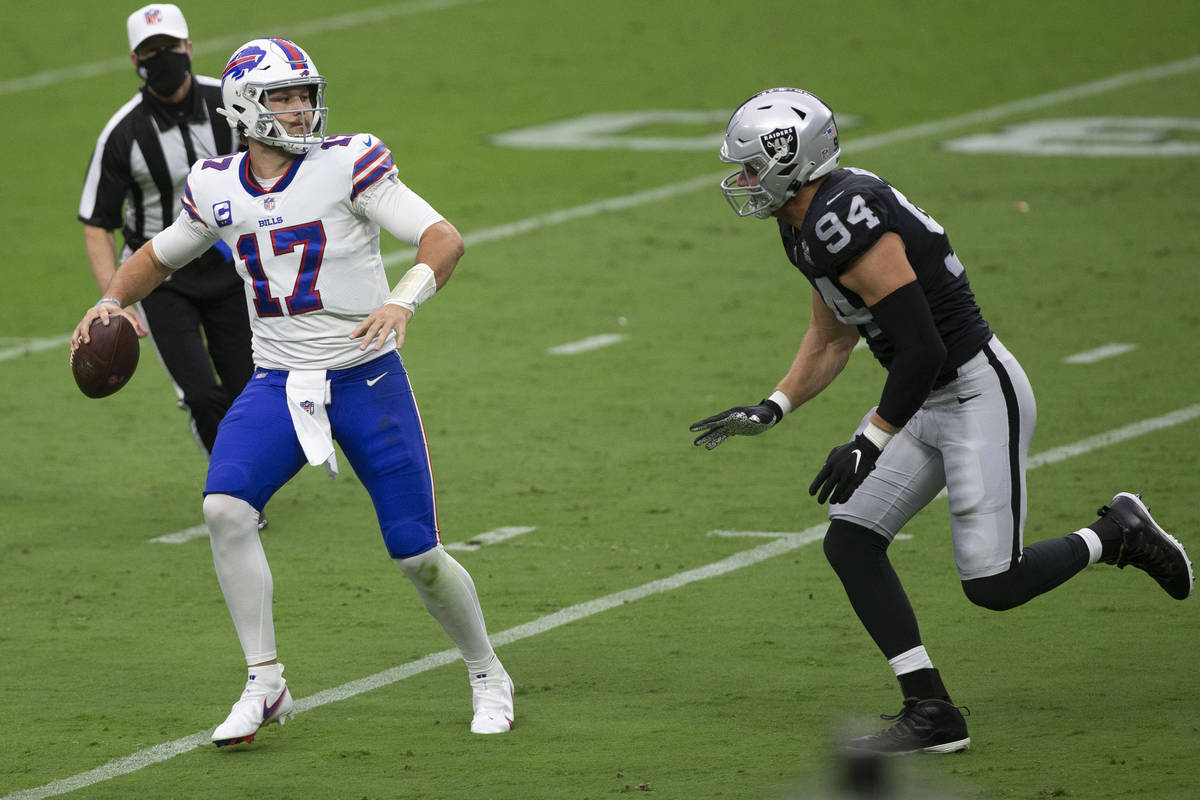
199 325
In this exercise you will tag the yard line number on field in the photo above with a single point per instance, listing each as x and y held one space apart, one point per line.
780 543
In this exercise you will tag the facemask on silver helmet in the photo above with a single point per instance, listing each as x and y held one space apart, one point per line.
256 69
781 139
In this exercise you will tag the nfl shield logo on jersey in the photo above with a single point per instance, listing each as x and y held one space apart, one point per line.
309 406
780 144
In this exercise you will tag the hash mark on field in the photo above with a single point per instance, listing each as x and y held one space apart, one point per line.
1099 354
28 346
491 537
179 537
590 343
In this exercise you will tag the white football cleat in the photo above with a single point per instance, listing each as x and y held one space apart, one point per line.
262 702
492 696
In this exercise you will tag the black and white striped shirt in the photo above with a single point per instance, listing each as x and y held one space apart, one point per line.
142 157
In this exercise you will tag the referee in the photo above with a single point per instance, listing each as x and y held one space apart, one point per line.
197 319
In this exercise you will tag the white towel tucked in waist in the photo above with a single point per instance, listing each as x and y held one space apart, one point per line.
307 396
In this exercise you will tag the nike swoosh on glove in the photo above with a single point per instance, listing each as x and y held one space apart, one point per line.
846 467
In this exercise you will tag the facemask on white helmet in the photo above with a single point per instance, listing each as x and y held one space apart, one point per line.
256 69
781 139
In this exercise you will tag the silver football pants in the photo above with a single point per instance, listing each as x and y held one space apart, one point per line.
971 437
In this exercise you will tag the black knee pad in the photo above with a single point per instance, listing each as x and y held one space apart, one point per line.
847 544
996 592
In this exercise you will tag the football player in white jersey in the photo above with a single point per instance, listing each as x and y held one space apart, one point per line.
302 213
956 410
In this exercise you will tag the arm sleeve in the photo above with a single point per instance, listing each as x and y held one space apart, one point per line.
906 320
398 210
182 241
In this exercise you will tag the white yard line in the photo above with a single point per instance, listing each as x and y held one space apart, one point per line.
225 44
1114 436
511 229
780 543
1099 353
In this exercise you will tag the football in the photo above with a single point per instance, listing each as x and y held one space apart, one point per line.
106 363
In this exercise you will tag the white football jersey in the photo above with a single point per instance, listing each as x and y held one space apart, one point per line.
307 246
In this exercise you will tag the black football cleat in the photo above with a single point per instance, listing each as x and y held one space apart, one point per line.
1148 547
923 726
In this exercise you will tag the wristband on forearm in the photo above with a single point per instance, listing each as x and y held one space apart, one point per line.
417 286
110 300
780 399
877 435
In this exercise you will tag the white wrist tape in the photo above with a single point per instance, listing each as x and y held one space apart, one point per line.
780 399
417 286
877 435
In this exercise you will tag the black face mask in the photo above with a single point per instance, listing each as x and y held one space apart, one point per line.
165 72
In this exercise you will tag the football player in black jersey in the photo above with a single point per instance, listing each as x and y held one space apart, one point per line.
956 411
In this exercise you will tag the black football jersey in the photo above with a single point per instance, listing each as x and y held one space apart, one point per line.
850 212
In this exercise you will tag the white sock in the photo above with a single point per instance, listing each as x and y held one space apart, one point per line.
243 573
271 674
911 661
449 595
1094 546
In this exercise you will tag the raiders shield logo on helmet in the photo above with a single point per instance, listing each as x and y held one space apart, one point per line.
780 144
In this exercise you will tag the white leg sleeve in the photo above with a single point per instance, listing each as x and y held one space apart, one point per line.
448 593
243 573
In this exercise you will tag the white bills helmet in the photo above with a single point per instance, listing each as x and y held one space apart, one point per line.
783 138
256 68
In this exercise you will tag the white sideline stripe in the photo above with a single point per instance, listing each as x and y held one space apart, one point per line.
511 229
1099 354
784 543
491 537
225 44
590 343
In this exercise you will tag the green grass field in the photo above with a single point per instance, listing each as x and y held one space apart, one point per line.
684 664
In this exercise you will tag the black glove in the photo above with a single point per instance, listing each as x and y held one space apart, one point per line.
845 469
737 421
